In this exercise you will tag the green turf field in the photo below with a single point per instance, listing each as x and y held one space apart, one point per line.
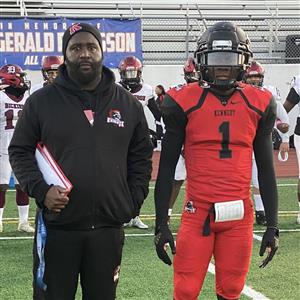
144 276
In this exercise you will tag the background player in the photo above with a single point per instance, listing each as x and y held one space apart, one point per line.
130 70
14 92
50 66
292 99
255 75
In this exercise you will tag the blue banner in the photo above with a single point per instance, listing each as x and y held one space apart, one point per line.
24 41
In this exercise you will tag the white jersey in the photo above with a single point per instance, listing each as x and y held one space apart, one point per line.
9 113
281 113
143 95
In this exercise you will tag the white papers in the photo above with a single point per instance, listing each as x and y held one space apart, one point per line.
229 211
51 171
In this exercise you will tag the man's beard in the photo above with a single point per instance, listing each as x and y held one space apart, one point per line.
84 78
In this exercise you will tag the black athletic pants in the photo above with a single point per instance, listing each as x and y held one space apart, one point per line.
95 255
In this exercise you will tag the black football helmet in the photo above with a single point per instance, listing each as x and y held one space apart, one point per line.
223 45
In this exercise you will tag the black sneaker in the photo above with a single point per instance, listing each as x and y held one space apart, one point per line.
260 217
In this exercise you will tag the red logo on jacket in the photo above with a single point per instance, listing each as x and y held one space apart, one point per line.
74 28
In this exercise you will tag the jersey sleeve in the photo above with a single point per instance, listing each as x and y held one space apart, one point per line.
263 150
266 123
173 115
175 122
282 114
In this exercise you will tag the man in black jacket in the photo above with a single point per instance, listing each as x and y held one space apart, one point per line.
98 135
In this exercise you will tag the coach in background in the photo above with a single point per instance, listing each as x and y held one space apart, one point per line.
98 134
219 121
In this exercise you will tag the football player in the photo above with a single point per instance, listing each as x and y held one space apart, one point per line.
14 92
130 70
255 75
293 99
220 121
50 66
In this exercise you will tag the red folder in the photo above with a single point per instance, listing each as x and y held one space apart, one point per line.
51 171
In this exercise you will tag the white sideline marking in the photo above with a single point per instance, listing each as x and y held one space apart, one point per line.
183 187
281 212
7 238
279 185
248 291
255 236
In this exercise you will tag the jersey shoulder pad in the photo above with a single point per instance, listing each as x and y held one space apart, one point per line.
186 95
258 97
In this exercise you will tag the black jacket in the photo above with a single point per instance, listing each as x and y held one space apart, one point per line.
109 163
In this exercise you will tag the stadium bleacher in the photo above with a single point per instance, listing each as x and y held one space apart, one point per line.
170 28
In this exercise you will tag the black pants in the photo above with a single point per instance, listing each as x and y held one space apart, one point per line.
95 255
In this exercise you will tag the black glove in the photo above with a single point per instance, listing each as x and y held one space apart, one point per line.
269 240
164 236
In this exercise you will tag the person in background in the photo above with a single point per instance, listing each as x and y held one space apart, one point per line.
220 121
98 135
293 99
255 75
131 71
160 93
189 71
14 88
50 66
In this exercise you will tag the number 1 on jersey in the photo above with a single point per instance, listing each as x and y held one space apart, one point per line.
225 152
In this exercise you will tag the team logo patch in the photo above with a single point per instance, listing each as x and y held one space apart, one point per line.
114 116
117 273
189 207
74 28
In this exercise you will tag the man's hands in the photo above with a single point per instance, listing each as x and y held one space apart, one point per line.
7 80
269 244
163 237
56 199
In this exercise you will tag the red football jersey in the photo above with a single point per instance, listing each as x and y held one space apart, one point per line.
219 140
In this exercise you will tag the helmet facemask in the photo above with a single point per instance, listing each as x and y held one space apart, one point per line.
131 76
223 46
